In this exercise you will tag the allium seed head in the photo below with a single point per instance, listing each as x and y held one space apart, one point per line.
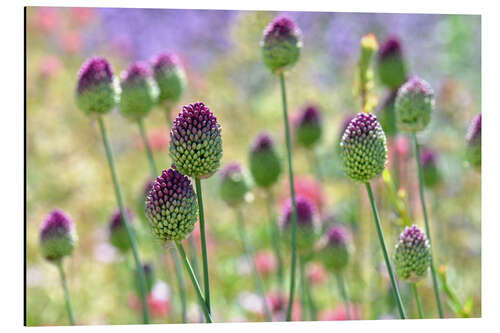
96 91
391 65
118 236
414 105
171 206
363 148
412 257
307 222
265 161
474 142
281 44
57 236
235 184
139 91
196 142
308 127
334 248
170 76
431 174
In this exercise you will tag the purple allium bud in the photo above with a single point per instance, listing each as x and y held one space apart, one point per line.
428 160
414 105
149 275
57 236
363 148
281 44
235 184
474 142
265 161
335 248
96 90
391 65
308 126
139 91
170 76
171 206
413 254
196 142
118 236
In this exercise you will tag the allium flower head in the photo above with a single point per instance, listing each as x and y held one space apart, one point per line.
281 44
307 222
171 206
428 160
235 184
148 275
57 236
334 248
308 126
391 64
196 142
118 236
96 90
265 161
139 91
474 142
363 148
413 254
414 105
170 76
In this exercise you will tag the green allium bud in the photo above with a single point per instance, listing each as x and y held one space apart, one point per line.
235 184
57 236
474 142
413 254
281 44
265 161
308 126
391 64
363 148
334 248
118 236
148 275
170 77
414 105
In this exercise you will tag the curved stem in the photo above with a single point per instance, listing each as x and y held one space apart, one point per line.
181 285
293 240
196 285
130 234
413 287
250 257
343 292
194 260
395 288
426 219
204 253
149 152
69 307
275 237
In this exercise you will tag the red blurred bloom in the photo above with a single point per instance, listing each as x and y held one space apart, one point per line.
158 139
308 187
47 18
82 15
402 146
265 262
278 304
71 41
339 313
158 306
316 273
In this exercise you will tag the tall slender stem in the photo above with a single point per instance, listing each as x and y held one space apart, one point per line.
293 240
395 288
194 260
149 152
196 285
303 292
413 287
69 307
250 257
130 234
204 253
426 219
343 292
275 237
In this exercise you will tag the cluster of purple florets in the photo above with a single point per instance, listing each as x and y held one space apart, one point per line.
57 236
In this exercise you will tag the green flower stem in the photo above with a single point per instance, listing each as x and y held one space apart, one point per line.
413 287
275 237
343 292
307 289
69 307
250 257
130 234
204 253
395 288
196 285
303 293
426 219
149 152
194 260
293 241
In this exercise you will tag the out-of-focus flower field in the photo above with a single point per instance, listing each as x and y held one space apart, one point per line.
67 168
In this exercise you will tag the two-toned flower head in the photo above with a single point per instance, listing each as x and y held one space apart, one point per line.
430 170
97 91
196 142
412 257
346 120
57 236
363 148
474 142
235 184
149 275
391 65
308 126
414 105
170 76
281 44
265 161
118 236
171 206
139 91
334 247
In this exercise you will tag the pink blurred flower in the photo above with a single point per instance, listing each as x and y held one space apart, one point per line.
339 313
316 273
50 66
47 18
278 304
265 262
308 187
158 307
82 15
197 238
402 146
158 139
71 41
